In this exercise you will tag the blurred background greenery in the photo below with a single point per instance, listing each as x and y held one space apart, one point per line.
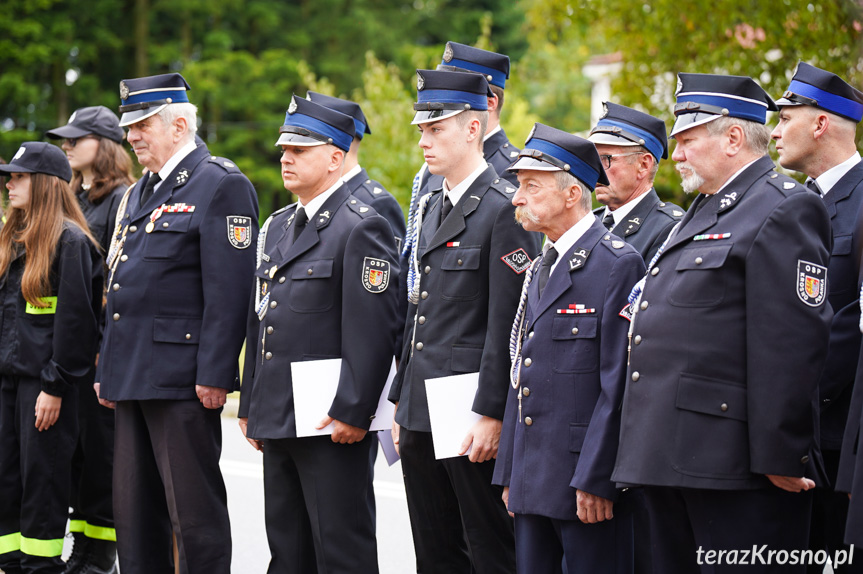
244 59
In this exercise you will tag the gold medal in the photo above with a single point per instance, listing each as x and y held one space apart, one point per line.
150 227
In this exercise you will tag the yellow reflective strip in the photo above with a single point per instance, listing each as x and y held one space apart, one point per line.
77 525
100 532
51 308
10 542
44 548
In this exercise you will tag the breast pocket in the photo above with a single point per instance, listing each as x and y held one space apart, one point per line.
574 345
312 287
460 268
169 236
699 279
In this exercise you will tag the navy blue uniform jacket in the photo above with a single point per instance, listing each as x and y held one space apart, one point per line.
177 302
729 341
647 225
373 194
472 268
320 308
55 345
573 385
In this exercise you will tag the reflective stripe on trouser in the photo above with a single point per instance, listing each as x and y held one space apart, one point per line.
93 531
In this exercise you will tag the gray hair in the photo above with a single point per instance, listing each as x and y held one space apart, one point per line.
184 110
565 180
757 135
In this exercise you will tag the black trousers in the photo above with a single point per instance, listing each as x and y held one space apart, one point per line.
458 519
829 515
167 479
316 495
34 478
688 524
93 469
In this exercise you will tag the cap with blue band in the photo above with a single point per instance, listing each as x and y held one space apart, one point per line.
819 88
442 94
550 149
347 107
143 97
310 124
702 98
462 58
628 127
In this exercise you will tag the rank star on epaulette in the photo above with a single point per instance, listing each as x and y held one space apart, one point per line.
239 231
376 274
518 260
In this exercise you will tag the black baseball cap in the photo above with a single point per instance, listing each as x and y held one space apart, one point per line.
39 157
97 120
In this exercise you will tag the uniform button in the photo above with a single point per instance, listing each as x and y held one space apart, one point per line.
643 305
528 421
723 407
419 346
309 272
282 279
526 392
116 316
635 376
424 294
353 202
273 304
116 287
825 401
699 260
422 320
654 271
124 257
804 459
497 180
637 339
459 261
269 355
427 269
133 228
270 330
530 335
165 224
575 330
188 336
527 362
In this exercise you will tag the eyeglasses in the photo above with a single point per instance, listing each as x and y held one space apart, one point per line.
74 141
606 158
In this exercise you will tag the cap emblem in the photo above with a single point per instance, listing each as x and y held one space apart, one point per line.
420 82
293 107
72 117
447 53
124 91
604 110
19 153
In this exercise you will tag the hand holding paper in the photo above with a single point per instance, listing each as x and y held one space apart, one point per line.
482 440
343 433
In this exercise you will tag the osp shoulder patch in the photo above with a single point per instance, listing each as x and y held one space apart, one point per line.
240 231
376 275
518 260
811 282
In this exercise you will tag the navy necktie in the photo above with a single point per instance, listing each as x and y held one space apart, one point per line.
548 260
150 188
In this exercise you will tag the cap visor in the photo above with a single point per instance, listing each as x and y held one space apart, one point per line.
130 118
610 139
687 121
12 168
785 102
425 117
288 138
532 164
67 132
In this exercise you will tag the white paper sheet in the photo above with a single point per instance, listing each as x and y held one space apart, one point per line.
315 384
450 400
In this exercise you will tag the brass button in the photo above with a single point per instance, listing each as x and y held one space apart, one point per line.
116 316
723 407
424 294
805 459
527 362
422 320
637 339
309 272
526 392
419 346
282 279
270 330
133 228
699 260
269 355
165 224
643 305
635 376
124 257
459 261
528 421
273 304
654 271
116 287
188 336
427 269
575 330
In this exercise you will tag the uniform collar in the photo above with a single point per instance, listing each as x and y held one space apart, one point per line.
455 193
174 161
315 204
621 212
733 177
489 135
354 171
831 177
566 241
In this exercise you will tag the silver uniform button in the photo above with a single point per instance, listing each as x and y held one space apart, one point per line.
427 269
654 271
460 262
273 304
270 330
422 320
133 228
723 407
525 392
188 336
635 376
282 279
530 335
419 346
309 272
699 260
527 362
116 316
165 224
269 355
575 330
528 421
124 257
637 339
643 305
424 294
116 287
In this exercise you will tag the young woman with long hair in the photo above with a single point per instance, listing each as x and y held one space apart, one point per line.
101 173
51 277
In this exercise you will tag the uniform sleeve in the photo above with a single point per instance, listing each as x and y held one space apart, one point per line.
504 290
226 279
251 357
388 207
369 322
786 335
596 461
76 321
503 462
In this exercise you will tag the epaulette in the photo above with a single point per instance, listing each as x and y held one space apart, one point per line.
673 211
509 150
615 244
360 208
786 185
503 187
225 164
